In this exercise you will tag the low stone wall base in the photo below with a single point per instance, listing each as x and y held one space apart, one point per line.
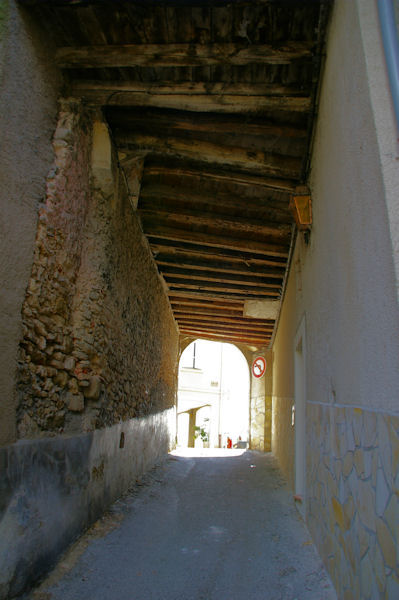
353 497
52 489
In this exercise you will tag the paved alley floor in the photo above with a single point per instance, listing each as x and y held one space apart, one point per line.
205 525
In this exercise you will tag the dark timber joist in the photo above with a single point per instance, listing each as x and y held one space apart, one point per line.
263 211
247 280
221 286
133 119
228 326
160 230
182 99
188 261
233 157
240 257
223 294
226 332
187 301
241 179
180 55
229 226
224 337
203 315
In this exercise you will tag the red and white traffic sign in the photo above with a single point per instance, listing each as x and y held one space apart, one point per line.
259 366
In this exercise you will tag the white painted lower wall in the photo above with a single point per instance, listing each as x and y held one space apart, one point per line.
54 488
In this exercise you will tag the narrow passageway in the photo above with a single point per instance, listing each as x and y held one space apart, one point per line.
205 525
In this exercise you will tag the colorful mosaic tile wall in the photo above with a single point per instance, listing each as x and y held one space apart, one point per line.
353 498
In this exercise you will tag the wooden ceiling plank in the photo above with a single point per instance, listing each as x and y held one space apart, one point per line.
214 275
206 253
180 55
239 178
199 189
219 206
189 261
221 328
223 295
223 223
264 163
117 95
220 337
206 239
193 299
226 331
134 119
226 289
192 88
204 312
226 324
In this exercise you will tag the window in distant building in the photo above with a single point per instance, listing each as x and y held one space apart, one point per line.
190 357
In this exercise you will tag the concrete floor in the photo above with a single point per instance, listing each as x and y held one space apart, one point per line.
210 525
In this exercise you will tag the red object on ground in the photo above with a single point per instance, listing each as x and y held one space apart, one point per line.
229 442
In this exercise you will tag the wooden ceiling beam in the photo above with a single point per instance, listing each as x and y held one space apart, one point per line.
228 316
220 224
190 261
120 95
223 331
161 230
187 321
175 247
255 126
222 337
213 275
229 288
217 294
210 4
180 55
222 328
198 305
181 200
210 301
244 179
205 152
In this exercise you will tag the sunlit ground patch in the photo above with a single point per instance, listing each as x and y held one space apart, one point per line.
208 452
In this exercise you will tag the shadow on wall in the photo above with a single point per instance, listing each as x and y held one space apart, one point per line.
54 488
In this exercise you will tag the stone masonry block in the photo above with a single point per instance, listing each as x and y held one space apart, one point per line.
75 402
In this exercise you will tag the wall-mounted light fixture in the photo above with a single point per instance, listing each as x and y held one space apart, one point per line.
301 206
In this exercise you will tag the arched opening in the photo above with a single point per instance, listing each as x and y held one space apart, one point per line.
213 396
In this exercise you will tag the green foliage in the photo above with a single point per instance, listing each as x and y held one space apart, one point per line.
202 433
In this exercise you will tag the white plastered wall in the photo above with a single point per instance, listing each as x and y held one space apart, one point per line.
349 279
28 107
345 283
346 278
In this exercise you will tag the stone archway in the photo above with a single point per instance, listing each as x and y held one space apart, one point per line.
260 395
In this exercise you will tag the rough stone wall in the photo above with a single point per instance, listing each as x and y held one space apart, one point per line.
353 503
28 111
100 343
97 363
46 360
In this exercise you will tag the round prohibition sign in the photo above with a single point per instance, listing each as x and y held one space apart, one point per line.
259 366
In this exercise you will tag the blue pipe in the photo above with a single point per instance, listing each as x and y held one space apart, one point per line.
391 47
